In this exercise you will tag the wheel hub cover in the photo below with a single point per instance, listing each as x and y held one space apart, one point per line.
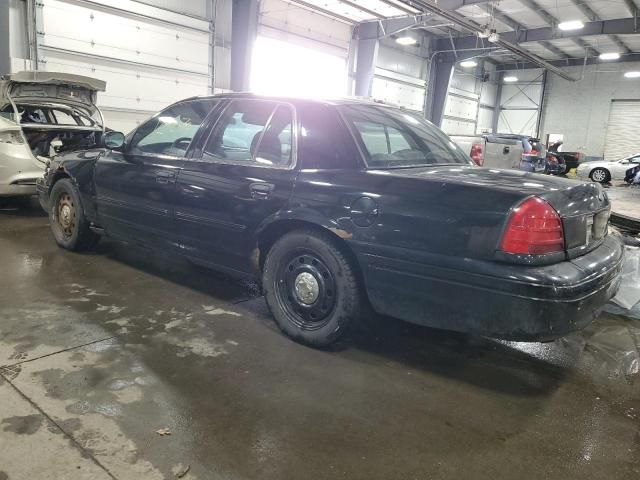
66 213
307 288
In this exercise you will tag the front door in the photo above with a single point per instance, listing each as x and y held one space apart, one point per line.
136 189
244 175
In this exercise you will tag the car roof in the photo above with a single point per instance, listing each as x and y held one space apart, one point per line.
298 100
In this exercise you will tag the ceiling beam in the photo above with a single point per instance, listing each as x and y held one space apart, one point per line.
574 62
619 26
549 17
375 29
633 8
553 49
474 27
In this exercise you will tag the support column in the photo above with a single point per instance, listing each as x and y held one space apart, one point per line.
439 80
366 55
244 29
498 107
5 53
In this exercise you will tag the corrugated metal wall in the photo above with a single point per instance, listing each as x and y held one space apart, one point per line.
580 110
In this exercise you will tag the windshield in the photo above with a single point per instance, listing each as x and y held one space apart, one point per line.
392 138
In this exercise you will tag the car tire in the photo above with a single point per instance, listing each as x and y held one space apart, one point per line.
69 224
311 288
600 175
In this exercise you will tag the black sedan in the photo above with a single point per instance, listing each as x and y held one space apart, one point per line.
337 206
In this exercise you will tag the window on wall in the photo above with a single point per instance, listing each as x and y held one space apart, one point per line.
280 68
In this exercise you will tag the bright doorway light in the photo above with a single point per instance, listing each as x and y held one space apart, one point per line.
280 68
510 79
571 25
468 64
632 75
406 40
609 56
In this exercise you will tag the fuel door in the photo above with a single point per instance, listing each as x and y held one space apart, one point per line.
364 211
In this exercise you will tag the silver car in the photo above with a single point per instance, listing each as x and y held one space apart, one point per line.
41 114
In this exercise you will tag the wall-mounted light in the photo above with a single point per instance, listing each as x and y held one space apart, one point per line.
510 79
609 56
406 40
632 75
468 64
571 25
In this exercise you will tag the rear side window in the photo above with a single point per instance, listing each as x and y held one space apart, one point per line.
252 132
391 138
324 141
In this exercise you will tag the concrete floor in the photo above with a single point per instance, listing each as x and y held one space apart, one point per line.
102 350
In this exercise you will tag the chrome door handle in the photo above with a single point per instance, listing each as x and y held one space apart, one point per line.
261 191
165 178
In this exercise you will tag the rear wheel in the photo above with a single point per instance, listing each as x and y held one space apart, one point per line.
600 175
311 288
69 225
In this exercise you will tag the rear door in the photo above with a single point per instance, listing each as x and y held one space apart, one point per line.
242 173
136 189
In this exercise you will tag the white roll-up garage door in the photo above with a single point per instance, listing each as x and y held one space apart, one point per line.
149 57
399 78
299 51
623 131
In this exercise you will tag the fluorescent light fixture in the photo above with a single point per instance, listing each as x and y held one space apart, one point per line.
609 56
510 79
571 25
468 64
632 75
406 40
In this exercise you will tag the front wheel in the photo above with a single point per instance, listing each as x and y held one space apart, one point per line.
600 175
311 288
69 225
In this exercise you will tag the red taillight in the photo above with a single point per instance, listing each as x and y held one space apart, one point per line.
476 153
533 152
534 228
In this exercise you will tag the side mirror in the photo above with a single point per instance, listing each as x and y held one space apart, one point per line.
113 140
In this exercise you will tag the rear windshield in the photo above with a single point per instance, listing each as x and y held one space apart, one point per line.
391 138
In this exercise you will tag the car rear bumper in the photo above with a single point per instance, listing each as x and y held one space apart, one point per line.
497 300
20 170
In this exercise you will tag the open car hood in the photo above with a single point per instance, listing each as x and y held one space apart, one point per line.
51 87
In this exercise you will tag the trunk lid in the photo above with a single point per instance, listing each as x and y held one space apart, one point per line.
583 207
52 87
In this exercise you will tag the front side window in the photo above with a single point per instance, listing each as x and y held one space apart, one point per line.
171 131
392 138
252 132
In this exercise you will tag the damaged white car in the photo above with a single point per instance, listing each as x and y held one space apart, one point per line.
42 114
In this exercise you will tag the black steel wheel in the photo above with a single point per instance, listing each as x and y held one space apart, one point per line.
311 287
306 289
69 225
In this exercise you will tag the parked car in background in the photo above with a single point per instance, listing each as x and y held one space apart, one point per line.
533 152
336 206
42 114
571 160
605 172
494 152
555 164
505 150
